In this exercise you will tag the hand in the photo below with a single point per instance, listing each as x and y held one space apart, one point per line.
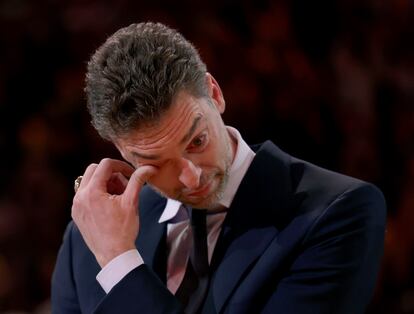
105 207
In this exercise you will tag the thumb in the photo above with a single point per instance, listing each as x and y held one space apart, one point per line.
136 182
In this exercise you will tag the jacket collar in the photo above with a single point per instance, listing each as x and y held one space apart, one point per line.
151 241
259 210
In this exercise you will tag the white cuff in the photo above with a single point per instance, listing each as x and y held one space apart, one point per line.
118 268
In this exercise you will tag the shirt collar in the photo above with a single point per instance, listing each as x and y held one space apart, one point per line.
171 209
242 160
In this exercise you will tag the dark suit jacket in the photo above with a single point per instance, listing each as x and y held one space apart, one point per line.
297 239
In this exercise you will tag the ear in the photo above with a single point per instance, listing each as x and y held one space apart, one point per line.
215 93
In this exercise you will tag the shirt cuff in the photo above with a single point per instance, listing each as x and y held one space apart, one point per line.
118 268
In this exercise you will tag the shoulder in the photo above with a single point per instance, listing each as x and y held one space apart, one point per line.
336 200
302 176
326 185
315 191
318 197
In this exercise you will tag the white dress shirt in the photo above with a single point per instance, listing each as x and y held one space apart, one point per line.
178 230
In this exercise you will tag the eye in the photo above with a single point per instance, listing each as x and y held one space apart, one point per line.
198 142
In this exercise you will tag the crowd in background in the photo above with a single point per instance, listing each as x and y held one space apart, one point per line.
331 82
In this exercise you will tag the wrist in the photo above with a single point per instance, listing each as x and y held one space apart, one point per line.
118 268
104 258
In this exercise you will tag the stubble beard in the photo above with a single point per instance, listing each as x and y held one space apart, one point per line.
212 201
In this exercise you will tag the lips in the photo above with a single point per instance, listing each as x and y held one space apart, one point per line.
203 191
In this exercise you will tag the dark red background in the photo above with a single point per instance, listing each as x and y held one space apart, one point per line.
328 81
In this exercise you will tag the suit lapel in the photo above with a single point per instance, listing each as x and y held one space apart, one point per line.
151 241
258 211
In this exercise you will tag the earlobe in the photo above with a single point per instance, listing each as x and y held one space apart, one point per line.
215 93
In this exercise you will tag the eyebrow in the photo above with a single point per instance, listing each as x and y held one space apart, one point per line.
186 137
190 133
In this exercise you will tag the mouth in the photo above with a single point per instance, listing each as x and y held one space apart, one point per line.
202 191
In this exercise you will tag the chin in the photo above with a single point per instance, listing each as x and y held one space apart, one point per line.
204 204
212 201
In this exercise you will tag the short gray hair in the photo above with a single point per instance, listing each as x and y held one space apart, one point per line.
135 75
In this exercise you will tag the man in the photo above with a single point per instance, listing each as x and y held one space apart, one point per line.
277 234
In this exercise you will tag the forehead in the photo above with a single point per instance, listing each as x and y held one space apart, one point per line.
170 129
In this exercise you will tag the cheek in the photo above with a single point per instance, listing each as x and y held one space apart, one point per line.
219 152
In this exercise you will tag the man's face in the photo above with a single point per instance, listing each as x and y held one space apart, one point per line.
189 146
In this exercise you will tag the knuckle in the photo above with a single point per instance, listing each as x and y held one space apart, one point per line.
139 179
106 161
93 166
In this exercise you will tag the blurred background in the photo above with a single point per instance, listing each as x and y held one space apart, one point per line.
328 81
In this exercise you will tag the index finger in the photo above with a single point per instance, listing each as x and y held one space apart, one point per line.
136 182
106 168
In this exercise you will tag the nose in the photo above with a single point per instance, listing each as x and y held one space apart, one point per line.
190 174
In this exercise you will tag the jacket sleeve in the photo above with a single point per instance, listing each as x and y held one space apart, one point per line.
63 295
337 268
140 291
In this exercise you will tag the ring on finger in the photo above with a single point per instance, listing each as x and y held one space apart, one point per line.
77 183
